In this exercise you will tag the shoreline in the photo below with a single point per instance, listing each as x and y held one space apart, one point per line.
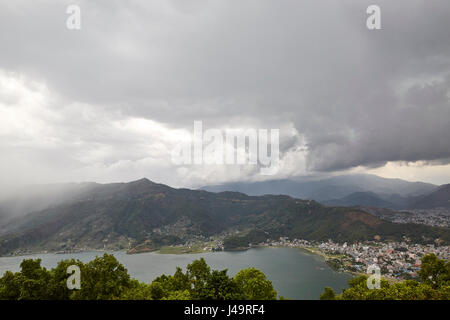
327 257
56 253
166 250
163 250
335 262
353 273
307 250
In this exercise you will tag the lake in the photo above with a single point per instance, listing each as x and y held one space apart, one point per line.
295 274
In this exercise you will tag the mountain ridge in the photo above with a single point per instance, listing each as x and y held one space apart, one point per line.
328 188
438 198
123 215
368 199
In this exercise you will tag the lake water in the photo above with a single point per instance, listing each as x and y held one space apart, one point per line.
294 273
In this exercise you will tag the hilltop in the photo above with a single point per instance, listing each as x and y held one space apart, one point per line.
125 215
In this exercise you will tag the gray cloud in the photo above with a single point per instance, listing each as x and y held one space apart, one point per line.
355 97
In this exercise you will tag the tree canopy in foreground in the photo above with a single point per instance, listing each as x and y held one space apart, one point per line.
104 278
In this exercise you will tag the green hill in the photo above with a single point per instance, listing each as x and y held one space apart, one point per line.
121 215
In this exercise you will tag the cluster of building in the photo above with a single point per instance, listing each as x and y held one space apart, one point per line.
439 217
395 259
398 260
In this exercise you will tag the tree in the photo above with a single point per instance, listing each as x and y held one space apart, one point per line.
198 273
106 279
254 285
328 294
434 271
137 291
33 280
178 295
221 287
58 282
103 278
9 286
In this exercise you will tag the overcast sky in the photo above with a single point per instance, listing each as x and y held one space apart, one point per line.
110 101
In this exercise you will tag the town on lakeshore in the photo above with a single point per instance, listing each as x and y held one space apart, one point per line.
397 260
436 217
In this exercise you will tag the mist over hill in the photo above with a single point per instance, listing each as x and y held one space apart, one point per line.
329 188
368 199
123 215
438 198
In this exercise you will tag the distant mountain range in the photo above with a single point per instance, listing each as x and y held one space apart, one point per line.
350 190
123 215
366 199
440 198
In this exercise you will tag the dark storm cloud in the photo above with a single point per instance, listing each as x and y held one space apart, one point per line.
356 97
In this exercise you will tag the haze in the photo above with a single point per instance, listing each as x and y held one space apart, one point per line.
110 101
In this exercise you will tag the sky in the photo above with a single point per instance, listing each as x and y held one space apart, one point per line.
110 101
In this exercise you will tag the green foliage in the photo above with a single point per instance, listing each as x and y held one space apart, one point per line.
198 283
29 284
242 241
137 291
434 285
328 294
236 243
104 278
434 272
254 285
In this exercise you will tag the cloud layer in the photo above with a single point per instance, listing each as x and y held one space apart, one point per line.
109 101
